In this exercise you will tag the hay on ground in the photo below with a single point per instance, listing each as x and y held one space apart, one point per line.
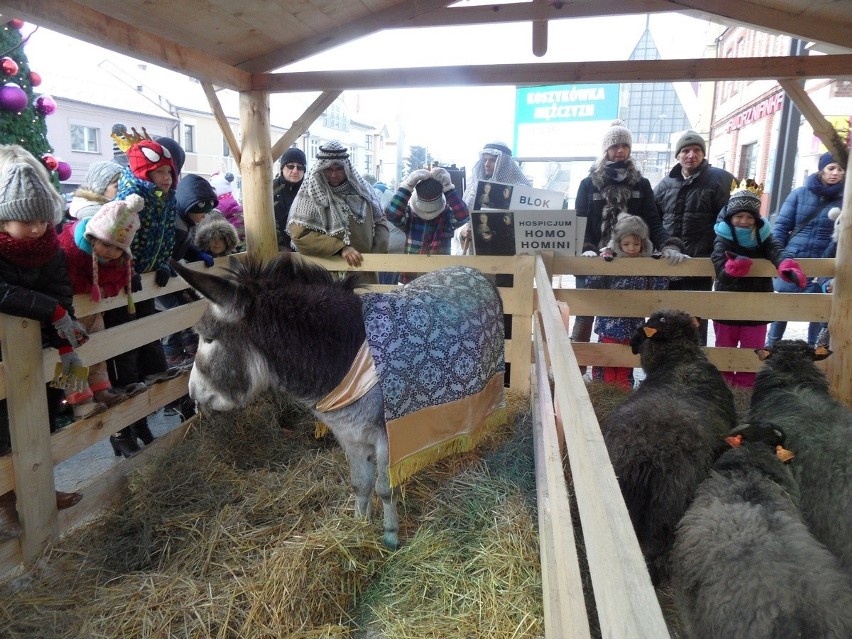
247 530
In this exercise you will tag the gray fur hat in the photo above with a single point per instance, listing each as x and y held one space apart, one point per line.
24 196
689 138
100 174
630 225
618 133
215 226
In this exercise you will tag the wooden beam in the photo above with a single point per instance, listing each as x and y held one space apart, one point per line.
822 127
840 324
79 21
757 15
256 169
524 12
301 124
222 120
530 74
369 24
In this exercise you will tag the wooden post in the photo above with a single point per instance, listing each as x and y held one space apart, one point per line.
840 324
30 433
522 291
256 170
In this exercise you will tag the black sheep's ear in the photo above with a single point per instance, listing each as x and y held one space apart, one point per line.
215 288
763 354
821 352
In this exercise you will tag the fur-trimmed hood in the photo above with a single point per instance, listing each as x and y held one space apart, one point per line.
85 203
213 226
630 225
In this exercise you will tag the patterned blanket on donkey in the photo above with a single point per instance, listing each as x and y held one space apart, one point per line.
438 347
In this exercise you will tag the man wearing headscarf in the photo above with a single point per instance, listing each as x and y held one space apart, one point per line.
495 164
336 212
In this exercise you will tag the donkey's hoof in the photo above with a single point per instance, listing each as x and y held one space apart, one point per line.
390 540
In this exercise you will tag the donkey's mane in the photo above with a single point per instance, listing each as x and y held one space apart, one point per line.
287 267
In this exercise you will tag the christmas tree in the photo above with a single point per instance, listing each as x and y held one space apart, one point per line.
22 113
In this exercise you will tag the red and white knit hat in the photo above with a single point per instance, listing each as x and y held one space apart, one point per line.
115 223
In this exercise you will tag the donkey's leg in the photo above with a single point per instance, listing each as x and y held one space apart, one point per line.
386 494
362 473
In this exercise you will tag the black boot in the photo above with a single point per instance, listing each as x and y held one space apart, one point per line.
124 443
141 431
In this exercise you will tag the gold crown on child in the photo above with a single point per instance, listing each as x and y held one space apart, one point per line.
748 185
127 140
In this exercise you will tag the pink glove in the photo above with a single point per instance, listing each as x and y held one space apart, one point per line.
789 271
737 265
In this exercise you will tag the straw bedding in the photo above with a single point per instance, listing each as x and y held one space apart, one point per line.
246 529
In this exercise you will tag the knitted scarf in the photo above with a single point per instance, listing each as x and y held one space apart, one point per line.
30 253
615 182
826 191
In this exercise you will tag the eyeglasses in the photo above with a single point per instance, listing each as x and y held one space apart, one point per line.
295 167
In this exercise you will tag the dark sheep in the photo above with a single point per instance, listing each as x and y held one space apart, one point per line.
792 394
744 564
662 439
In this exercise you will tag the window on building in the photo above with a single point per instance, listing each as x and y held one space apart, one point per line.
314 148
748 161
189 138
84 138
226 150
335 117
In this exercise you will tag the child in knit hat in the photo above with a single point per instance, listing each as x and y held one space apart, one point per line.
33 279
223 184
100 187
97 254
630 238
742 235
215 235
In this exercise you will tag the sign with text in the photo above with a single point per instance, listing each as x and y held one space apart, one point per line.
502 197
524 232
563 120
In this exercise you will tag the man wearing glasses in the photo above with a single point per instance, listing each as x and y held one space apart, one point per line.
284 188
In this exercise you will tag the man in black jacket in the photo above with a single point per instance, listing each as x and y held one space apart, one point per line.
690 199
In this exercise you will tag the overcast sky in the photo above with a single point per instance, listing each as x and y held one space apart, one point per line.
452 122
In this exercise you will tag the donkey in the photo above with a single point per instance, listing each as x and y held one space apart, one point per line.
401 379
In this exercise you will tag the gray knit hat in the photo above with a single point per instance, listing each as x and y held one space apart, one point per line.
24 196
618 133
100 174
688 138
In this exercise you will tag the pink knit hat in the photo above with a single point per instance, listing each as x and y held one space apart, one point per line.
115 223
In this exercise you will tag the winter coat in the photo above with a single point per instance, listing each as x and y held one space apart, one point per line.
85 203
689 206
192 189
767 248
233 212
112 276
815 237
600 200
283 194
154 241
623 328
34 291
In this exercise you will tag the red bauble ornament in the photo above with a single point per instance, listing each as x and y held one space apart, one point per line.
9 66
35 79
16 24
50 161
64 171
45 105
12 98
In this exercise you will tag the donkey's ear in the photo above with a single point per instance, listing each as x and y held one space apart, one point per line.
215 288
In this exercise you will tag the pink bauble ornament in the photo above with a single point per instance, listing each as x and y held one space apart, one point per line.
50 161
35 78
64 171
12 98
9 66
45 105
16 24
